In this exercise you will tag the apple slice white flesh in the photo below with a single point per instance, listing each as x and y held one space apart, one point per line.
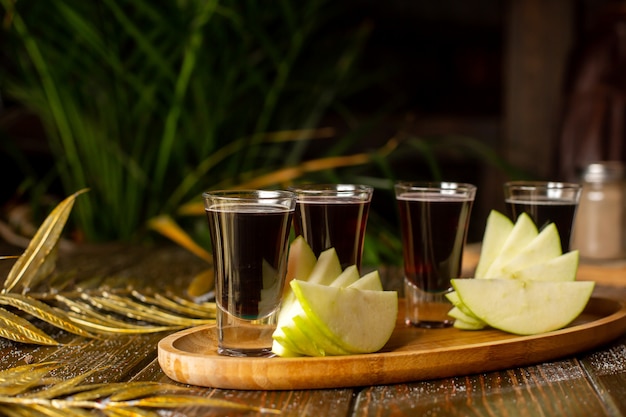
463 325
545 246
349 276
524 231
326 270
464 321
370 281
453 297
561 268
300 261
359 321
322 343
280 350
497 230
524 307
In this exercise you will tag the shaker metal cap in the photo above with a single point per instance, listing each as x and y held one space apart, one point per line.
604 171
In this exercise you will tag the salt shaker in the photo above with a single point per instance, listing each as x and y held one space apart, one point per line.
599 230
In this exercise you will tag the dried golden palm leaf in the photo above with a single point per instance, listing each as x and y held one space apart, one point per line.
42 311
166 226
139 311
202 284
20 379
160 301
72 397
98 322
105 327
29 268
15 328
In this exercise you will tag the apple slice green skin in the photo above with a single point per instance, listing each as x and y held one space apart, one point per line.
524 307
326 270
561 268
322 344
463 325
349 276
465 321
453 297
370 281
280 350
300 261
497 230
359 321
523 232
545 246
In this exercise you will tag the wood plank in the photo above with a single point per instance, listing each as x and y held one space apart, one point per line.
306 403
552 389
607 372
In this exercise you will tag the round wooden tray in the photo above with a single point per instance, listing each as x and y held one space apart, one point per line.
190 356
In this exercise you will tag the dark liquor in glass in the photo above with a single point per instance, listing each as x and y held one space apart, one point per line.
434 219
544 211
338 223
250 238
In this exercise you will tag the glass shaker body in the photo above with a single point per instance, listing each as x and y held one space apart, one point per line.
599 230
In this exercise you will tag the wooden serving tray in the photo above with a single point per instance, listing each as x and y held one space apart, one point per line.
412 354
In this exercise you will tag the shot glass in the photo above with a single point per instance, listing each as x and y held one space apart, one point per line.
434 218
333 215
250 238
545 202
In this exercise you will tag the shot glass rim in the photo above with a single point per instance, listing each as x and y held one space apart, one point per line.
530 185
461 187
362 191
248 195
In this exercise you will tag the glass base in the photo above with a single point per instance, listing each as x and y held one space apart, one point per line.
425 309
244 338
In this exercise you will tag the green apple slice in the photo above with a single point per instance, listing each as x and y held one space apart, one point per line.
453 297
463 325
300 261
524 307
323 344
523 232
497 230
349 276
359 321
464 321
370 281
280 350
561 268
545 246
326 269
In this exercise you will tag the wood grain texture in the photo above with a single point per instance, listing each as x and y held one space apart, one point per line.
410 355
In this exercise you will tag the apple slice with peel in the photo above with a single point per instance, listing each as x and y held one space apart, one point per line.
326 269
497 230
464 325
561 268
359 321
523 232
453 297
465 322
349 276
324 346
300 261
545 246
524 307
370 281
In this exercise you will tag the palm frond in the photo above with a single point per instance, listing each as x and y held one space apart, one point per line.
26 390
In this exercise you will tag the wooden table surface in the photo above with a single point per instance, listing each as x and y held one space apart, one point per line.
588 384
